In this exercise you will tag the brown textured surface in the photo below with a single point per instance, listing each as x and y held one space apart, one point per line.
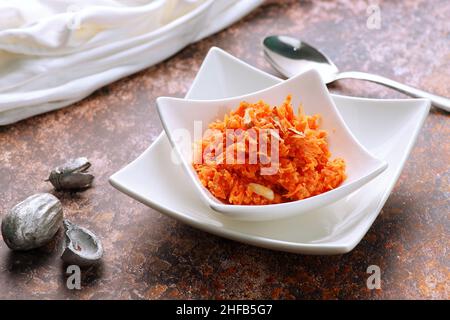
150 256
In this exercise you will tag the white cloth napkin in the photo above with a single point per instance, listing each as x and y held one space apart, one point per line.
56 52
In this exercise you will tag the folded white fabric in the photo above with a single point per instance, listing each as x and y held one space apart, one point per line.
56 52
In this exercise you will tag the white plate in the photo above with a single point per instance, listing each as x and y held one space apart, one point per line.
387 128
179 117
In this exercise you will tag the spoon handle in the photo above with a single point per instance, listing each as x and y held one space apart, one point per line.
437 101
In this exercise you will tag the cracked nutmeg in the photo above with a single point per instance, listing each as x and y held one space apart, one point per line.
72 175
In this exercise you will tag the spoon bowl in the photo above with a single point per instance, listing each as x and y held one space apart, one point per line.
291 56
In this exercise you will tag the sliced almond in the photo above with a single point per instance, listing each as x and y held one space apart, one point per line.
247 118
262 191
301 134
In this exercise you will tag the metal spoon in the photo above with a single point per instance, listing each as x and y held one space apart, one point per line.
291 56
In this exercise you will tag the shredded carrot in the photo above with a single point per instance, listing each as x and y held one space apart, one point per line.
304 168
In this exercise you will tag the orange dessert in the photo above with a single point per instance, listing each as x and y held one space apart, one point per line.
303 166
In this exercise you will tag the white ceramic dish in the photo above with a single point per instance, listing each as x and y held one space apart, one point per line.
387 128
307 89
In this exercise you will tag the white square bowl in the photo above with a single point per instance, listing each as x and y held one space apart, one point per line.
307 89
387 128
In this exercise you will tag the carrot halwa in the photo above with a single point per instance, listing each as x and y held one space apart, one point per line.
303 167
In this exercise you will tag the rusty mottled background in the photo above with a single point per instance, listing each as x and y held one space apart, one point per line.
150 256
